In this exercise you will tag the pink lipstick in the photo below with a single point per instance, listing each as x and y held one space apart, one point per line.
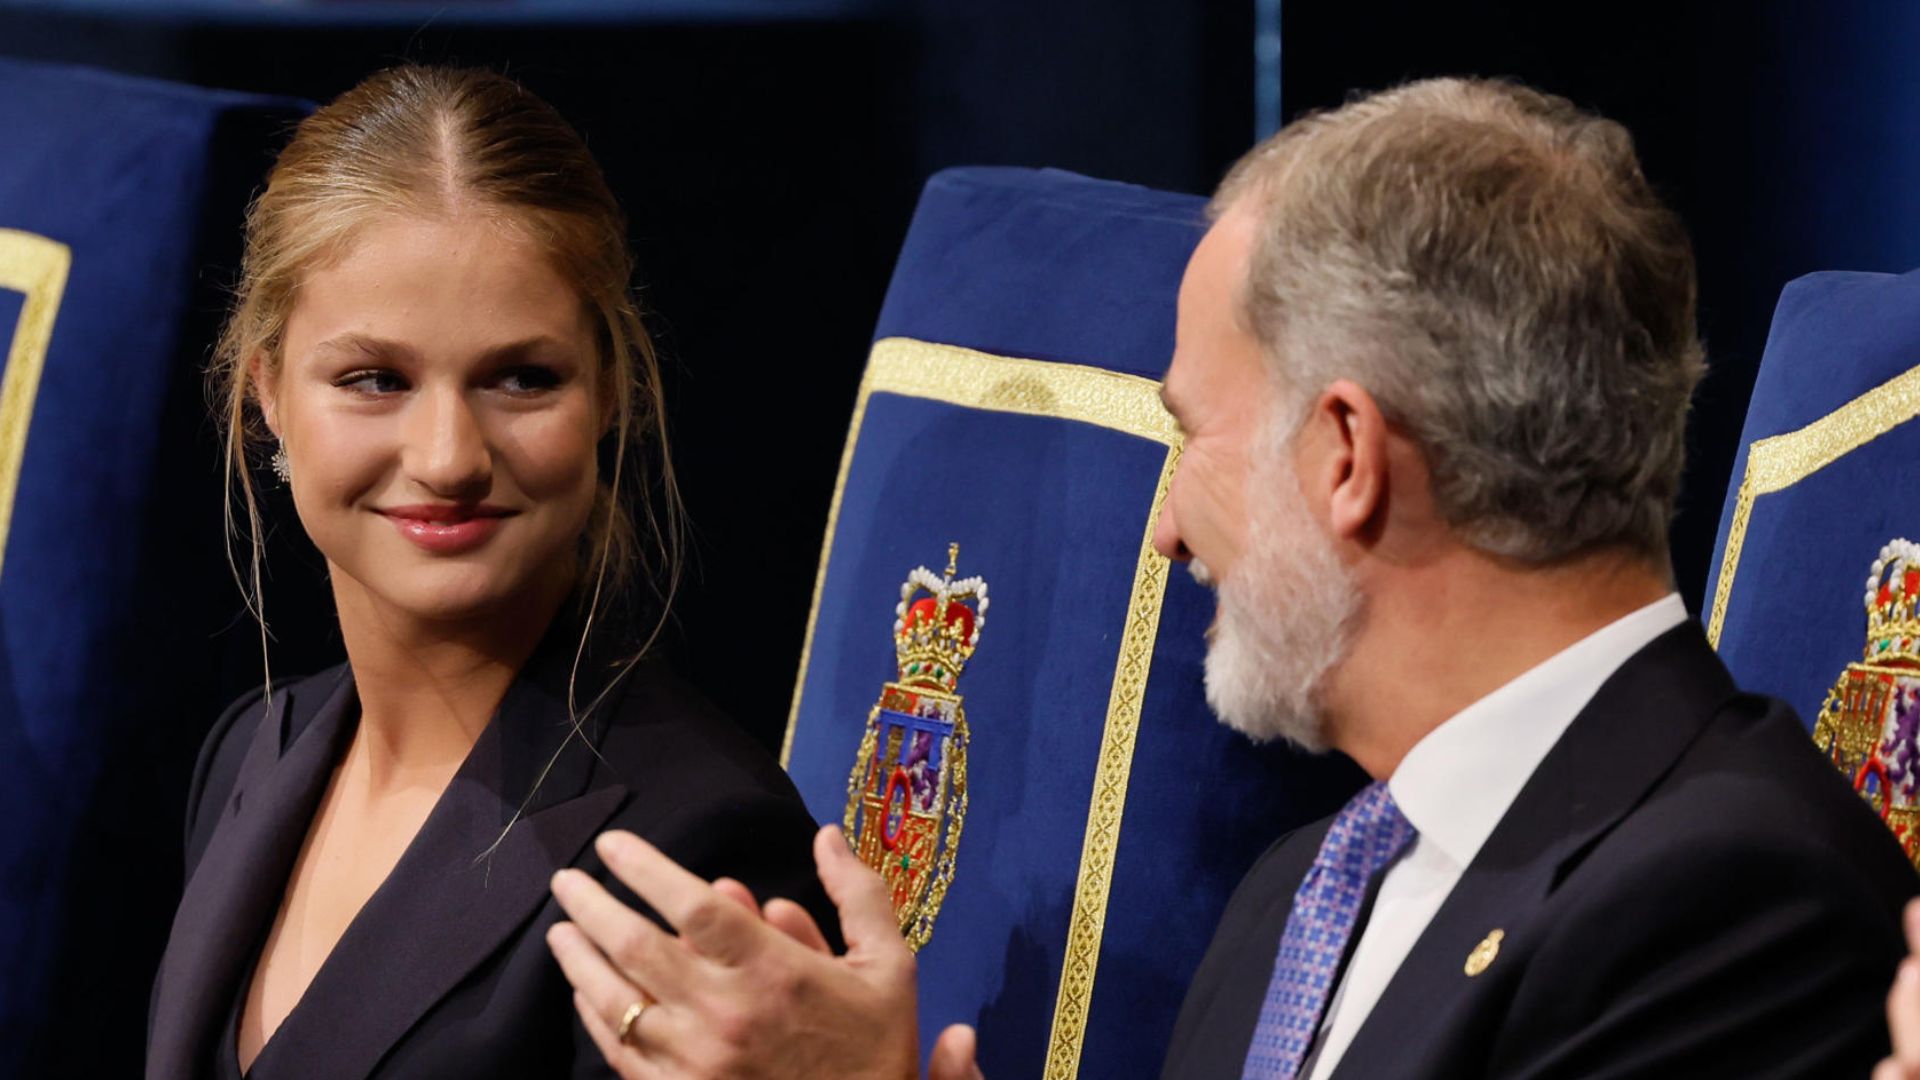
446 528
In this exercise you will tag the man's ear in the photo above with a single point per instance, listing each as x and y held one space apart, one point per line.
1353 469
262 389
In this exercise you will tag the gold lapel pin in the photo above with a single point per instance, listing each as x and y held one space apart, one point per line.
1482 955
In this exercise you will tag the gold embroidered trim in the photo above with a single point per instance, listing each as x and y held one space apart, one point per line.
977 380
1781 461
1090 892
820 570
36 266
1124 403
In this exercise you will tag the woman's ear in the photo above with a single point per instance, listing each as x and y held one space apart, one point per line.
261 385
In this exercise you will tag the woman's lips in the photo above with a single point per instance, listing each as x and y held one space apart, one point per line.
446 529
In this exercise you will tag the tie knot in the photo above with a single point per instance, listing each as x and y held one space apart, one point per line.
1368 832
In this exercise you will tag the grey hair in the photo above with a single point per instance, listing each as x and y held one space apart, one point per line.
1490 263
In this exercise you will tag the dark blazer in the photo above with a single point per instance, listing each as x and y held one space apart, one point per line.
1686 889
445 972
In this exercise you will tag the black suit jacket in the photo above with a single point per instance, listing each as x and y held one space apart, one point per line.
1686 889
445 972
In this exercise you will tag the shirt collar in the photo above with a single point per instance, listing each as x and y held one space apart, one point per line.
1456 784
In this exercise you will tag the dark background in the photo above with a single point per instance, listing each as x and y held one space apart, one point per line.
769 154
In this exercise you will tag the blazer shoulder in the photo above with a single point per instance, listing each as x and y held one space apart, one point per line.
217 768
1755 781
664 737
708 795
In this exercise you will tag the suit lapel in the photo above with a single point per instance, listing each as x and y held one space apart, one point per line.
1632 732
236 886
454 896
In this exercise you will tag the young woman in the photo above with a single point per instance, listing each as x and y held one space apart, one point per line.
435 343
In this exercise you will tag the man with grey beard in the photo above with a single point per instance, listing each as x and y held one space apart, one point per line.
1433 365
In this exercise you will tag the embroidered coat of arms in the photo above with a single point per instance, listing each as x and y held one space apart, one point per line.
907 796
1869 725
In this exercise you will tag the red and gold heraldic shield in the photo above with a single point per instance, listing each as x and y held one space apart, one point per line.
1869 725
907 795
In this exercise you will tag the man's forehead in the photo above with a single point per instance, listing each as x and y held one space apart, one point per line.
1215 352
1226 245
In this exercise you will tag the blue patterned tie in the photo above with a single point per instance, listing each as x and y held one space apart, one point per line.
1366 836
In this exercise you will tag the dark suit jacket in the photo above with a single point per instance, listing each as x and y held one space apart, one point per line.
445 972
1687 889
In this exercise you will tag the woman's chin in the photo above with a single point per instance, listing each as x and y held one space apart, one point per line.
460 598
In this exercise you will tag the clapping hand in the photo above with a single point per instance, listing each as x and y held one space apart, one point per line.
1903 1008
742 990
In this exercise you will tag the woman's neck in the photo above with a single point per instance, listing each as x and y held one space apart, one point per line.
428 688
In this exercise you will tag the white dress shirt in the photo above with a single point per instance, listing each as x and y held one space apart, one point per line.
1455 785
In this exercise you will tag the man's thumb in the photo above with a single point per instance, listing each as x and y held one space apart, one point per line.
866 910
953 1055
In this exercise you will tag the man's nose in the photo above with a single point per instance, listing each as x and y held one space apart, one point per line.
1166 533
447 446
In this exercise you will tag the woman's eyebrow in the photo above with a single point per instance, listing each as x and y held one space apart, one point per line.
355 345
523 349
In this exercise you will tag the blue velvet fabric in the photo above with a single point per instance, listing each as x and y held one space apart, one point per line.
1794 616
1052 266
116 169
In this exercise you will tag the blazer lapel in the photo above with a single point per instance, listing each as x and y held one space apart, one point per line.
236 886
463 886
1626 738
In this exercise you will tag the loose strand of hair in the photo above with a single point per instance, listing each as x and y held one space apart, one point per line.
254 597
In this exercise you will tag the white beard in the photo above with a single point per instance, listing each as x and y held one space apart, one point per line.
1285 616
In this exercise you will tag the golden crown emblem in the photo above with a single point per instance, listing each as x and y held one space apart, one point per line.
907 794
934 635
1869 724
1893 589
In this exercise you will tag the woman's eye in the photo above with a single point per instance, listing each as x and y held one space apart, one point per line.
372 382
528 379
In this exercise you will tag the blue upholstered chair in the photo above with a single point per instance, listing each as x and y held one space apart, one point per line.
1001 688
106 187
1815 573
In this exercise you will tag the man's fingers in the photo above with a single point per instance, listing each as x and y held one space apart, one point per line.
713 925
1903 1014
626 1060
866 911
797 923
658 880
954 1055
596 985
737 893
1912 921
642 952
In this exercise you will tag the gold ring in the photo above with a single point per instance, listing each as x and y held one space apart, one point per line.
630 1018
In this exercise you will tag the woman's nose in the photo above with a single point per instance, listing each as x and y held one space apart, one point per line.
447 447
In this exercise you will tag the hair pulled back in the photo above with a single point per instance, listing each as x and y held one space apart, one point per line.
418 141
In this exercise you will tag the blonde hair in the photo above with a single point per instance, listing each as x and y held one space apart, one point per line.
416 140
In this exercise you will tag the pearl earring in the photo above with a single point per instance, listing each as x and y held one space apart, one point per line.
282 468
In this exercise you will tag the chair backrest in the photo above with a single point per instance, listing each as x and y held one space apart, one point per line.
1042 688
1813 586
109 541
